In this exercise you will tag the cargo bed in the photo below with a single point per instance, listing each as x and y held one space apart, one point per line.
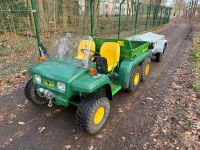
128 49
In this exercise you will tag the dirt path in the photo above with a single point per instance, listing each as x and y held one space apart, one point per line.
125 129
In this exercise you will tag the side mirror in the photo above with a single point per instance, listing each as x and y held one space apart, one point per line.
101 65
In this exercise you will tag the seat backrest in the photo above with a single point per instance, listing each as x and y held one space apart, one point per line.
89 44
111 51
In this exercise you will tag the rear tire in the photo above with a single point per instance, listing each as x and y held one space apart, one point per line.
146 65
31 94
92 113
134 79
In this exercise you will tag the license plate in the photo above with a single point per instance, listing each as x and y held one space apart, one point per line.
49 83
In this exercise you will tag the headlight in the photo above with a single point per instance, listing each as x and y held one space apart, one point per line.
61 86
38 78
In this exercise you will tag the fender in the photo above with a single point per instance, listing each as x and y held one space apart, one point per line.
127 66
160 46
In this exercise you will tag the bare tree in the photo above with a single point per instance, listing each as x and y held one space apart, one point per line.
178 6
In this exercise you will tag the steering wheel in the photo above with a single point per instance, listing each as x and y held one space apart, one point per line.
94 53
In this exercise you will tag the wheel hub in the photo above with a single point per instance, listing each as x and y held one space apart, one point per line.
136 78
99 115
147 69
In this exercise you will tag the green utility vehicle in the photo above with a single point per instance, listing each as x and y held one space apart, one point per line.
87 72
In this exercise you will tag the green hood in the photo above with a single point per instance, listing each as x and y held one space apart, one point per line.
57 70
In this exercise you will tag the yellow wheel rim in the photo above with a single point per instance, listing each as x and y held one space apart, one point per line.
99 115
147 69
136 78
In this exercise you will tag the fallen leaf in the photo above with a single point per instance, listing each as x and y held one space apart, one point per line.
49 114
91 147
68 146
57 110
149 98
128 108
164 131
10 122
21 123
19 134
41 129
120 110
1 118
12 116
19 105
100 136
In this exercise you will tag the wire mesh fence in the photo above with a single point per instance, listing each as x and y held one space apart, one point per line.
102 18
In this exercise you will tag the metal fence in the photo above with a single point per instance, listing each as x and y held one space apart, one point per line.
126 18
102 18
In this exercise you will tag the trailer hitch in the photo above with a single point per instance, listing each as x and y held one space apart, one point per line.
50 104
46 94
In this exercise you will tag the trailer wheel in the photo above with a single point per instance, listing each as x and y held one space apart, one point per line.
134 79
146 65
92 113
158 56
31 94
165 47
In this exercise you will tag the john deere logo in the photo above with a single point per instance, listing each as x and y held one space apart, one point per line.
48 83
145 49
121 43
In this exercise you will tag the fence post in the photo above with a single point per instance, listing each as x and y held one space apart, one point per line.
147 18
91 17
33 4
150 9
119 22
136 16
160 14
169 14
155 14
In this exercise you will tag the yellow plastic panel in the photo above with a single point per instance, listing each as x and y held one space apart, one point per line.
111 51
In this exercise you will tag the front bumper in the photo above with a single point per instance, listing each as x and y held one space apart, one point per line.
55 96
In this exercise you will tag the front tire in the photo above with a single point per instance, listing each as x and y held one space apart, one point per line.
31 94
92 113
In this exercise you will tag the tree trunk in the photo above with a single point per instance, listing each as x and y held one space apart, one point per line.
54 14
64 15
96 12
31 21
42 20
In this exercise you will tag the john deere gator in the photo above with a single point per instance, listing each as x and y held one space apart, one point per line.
87 72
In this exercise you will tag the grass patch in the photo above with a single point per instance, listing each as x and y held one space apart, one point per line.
195 59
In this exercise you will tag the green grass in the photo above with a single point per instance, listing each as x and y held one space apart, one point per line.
195 58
